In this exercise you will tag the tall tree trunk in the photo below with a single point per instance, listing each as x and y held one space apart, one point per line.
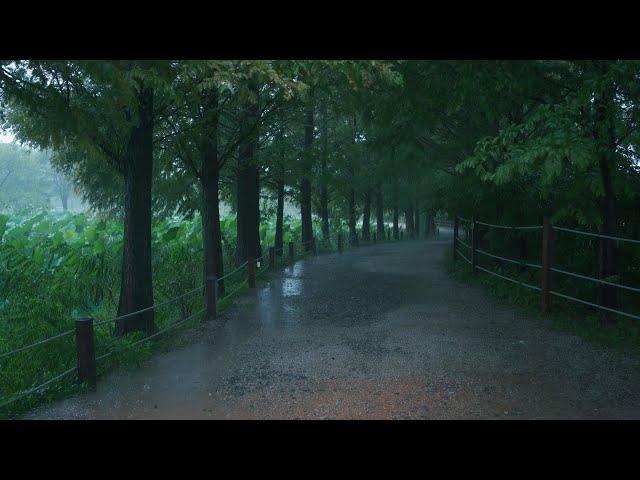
211 234
136 287
305 184
408 221
604 135
324 190
396 214
366 216
353 233
379 213
279 244
209 183
248 187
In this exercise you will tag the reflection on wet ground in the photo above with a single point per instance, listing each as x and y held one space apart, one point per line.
375 332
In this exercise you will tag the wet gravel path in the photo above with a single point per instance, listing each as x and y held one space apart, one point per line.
379 332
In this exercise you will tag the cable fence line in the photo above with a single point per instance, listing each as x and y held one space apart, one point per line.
233 271
234 291
38 388
507 227
519 282
152 307
463 257
516 262
546 268
464 243
599 235
601 307
597 280
36 344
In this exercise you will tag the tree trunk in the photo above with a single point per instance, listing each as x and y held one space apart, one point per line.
604 135
248 189
607 248
209 183
324 190
305 184
211 234
408 221
366 216
279 244
396 230
64 198
416 225
136 287
379 213
353 234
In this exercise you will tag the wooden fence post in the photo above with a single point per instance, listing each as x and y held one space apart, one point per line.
545 274
315 247
374 237
401 234
292 251
85 352
251 270
388 235
212 294
340 242
455 237
474 245
272 257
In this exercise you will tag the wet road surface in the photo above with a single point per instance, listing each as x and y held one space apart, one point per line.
380 332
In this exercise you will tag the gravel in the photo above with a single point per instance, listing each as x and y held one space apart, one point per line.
379 332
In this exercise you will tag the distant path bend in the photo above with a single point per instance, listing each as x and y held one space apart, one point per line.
379 332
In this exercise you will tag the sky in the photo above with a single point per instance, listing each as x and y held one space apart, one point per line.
5 137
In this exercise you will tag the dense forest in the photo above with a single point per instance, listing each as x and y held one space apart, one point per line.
154 148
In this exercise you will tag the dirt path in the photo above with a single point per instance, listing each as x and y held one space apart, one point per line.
379 332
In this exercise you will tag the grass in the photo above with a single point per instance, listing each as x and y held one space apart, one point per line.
623 335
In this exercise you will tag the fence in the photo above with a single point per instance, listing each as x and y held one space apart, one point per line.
84 333
545 267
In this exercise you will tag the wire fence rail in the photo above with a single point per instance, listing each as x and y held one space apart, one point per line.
86 359
545 267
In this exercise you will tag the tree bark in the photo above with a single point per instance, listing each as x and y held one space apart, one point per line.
379 213
366 216
324 190
353 234
604 136
209 184
408 221
248 188
136 287
305 183
396 229
279 244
